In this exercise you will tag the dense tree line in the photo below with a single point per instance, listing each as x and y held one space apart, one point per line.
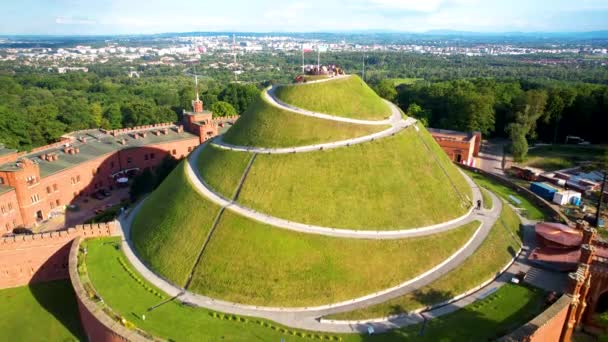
520 110
37 108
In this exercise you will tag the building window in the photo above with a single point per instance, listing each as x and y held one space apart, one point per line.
73 180
129 160
8 227
1 180
78 179
174 152
48 189
10 206
55 188
31 180
3 209
52 205
152 156
57 202
35 198
111 165
190 149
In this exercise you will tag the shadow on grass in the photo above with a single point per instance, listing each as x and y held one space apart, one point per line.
471 323
58 299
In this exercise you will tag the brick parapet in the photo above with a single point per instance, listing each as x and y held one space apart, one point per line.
547 326
27 259
120 131
98 326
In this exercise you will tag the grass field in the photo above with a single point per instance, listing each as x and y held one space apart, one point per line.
275 267
486 199
509 307
530 211
264 125
348 97
407 81
171 226
391 183
557 157
222 169
493 254
40 312
486 320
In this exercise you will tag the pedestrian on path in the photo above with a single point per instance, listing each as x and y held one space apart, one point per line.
478 204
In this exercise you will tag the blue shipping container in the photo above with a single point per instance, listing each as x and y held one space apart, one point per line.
543 190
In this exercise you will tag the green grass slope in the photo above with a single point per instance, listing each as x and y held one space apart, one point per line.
222 170
40 312
348 97
391 183
494 253
264 125
253 263
172 225
509 307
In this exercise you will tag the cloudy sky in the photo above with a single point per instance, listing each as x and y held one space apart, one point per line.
156 16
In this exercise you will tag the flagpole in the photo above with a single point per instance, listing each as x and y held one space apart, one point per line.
302 59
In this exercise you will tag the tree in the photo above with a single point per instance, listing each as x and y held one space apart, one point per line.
415 111
386 89
142 184
519 144
96 114
221 108
240 96
112 117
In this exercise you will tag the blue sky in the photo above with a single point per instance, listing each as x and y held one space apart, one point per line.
156 16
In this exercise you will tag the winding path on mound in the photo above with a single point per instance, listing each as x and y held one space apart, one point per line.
308 317
205 190
270 96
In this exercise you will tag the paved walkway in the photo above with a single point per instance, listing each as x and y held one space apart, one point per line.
205 190
398 127
269 95
307 317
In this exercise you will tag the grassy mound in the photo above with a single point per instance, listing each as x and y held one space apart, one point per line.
222 170
171 226
276 267
264 125
391 183
348 97
495 252
40 312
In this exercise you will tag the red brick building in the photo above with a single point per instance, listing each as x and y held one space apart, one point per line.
34 184
461 147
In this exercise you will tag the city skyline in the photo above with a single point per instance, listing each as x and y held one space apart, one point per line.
78 17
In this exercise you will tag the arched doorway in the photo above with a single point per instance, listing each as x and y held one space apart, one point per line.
601 305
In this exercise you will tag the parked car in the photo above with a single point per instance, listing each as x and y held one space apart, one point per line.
22 231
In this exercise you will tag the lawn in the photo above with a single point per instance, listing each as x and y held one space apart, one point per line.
486 199
556 157
264 125
172 225
498 314
348 97
40 312
405 81
494 253
509 307
222 169
253 263
531 211
171 321
387 184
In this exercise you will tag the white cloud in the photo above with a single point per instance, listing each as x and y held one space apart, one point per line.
74 21
410 5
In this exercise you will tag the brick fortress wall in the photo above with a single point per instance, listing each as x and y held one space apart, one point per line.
27 259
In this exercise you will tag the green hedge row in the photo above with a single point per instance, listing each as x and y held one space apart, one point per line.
139 280
269 325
